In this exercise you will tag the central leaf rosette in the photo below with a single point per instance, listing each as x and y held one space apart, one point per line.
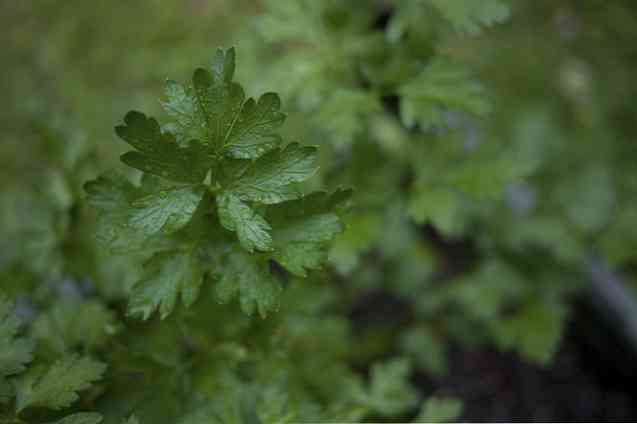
220 196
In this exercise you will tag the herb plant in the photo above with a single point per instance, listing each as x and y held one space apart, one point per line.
307 256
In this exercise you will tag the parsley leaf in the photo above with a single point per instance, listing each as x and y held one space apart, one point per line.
469 16
60 331
158 152
390 392
217 179
16 351
268 180
250 280
167 210
252 229
304 227
112 195
214 111
57 387
442 86
439 410
167 274
535 331
81 418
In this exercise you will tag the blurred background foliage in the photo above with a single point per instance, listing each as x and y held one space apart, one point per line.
491 151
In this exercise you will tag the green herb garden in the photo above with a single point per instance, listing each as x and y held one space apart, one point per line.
310 225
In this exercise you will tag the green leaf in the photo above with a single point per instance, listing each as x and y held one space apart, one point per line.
427 349
220 144
589 198
362 231
112 196
535 331
166 210
248 278
438 205
484 293
269 179
252 229
253 132
439 410
469 16
292 20
342 116
61 331
390 392
214 112
6 391
16 351
442 86
218 100
303 228
166 275
241 403
131 420
274 406
158 152
80 418
110 193
487 177
57 388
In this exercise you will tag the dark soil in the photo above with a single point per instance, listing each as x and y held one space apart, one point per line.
591 378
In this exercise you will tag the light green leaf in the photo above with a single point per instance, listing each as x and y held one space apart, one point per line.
535 331
292 20
487 177
274 406
167 210
80 418
16 351
442 86
362 231
112 195
252 229
588 198
427 349
484 293
390 392
438 205
439 410
303 228
61 331
6 391
57 387
166 275
248 277
253 132
269 180
469 16
343 115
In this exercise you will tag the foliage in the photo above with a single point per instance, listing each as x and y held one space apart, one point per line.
218 169
439 410
223 274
